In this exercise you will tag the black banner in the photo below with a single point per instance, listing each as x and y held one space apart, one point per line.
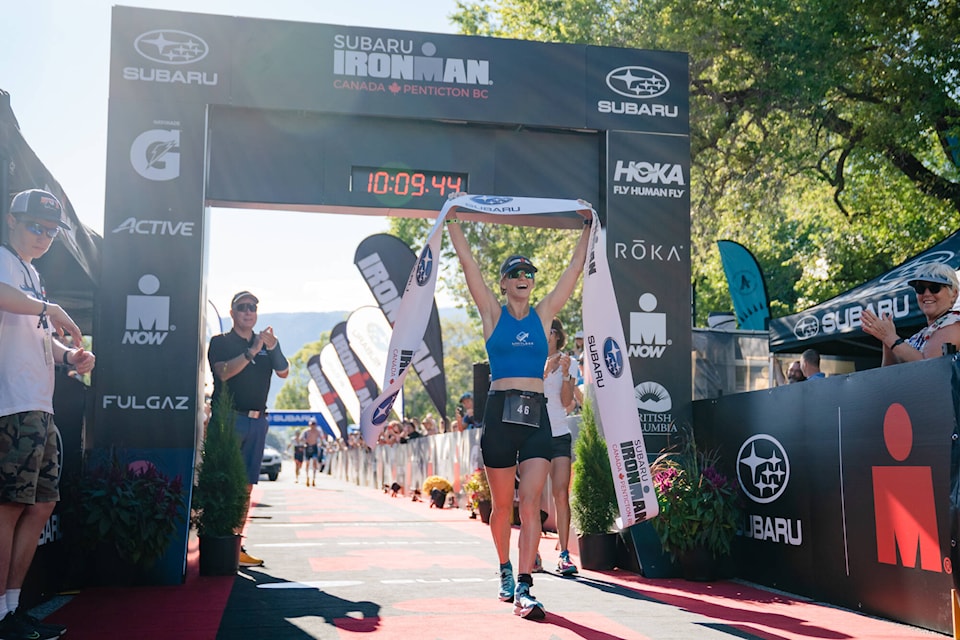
330 396
648 246
847 487
385 262
360 378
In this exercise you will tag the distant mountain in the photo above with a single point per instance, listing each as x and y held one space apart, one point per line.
294 330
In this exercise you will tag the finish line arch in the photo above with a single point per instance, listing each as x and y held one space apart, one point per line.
248 113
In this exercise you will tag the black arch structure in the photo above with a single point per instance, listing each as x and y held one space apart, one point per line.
224 111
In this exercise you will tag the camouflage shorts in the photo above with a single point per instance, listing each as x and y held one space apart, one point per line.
30 453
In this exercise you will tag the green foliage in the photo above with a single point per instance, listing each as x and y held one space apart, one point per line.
135 510
699 505
295 393
220 497
819 129
593 503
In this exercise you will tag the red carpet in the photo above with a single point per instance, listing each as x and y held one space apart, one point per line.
190 611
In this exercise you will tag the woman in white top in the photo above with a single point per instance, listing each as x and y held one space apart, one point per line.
558 387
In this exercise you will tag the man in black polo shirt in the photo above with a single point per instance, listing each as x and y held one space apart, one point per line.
244 361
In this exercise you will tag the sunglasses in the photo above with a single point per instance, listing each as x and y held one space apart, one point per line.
246 306
38 229
513 275
932 287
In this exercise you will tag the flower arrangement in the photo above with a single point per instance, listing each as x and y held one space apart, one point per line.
436 482
133 508
699 505
477 487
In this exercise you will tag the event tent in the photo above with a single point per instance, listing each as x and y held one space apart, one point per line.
833 327
71 268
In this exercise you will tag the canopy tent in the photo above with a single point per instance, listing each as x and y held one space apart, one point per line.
833 327
71 268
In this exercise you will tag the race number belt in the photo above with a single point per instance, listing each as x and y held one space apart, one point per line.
521 407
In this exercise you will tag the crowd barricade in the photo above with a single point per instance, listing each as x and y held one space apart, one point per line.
450 455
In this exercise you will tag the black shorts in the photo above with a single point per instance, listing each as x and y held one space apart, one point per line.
562 446
298 454
504 444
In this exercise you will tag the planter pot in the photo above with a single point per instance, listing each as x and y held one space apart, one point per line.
110 570
219 555
438 498
484 507
654 561
699 565
598 551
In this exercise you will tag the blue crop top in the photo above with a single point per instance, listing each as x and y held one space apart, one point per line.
517 348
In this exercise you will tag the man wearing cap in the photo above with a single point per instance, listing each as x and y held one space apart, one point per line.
30 445
465 419
936 288
244 361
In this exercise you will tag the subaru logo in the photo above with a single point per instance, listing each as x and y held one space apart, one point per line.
170 46
763 468
491 200
806 327
425 266
383 410
613 357
638 82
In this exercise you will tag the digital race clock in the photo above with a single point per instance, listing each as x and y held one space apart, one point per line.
397 186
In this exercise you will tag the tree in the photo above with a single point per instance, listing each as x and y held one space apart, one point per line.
824 134
294 394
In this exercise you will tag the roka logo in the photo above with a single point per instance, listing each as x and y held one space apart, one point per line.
170 46
155 154
638 82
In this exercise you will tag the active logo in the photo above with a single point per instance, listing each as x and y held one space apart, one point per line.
170 46
763 468
148 315
155 154
648 330
638 82
155 228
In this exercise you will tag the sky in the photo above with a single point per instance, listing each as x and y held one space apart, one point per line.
54 62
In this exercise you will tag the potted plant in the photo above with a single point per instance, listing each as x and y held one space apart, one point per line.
437 488
478 493
593 503
126 516
220 495
699 508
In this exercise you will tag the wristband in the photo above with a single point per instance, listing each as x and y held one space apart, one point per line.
587 222
897 343
65 354
246 354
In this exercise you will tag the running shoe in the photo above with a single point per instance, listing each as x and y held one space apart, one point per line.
538 564
565 566
247 560
14 627
507 584
45 629
526 605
